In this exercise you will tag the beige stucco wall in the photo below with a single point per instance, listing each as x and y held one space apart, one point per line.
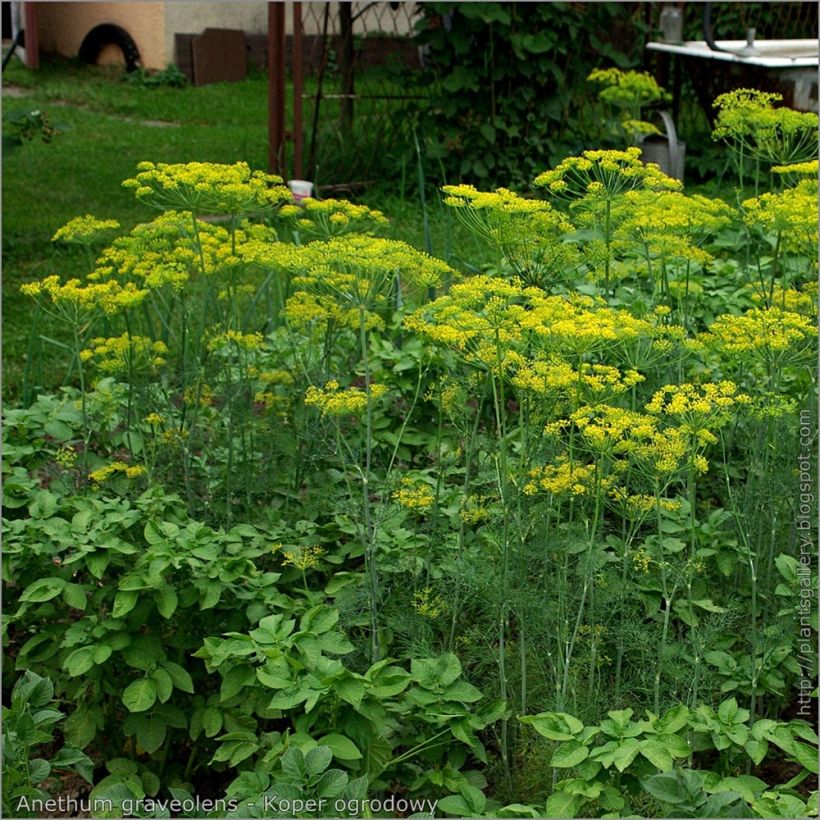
63 26
186 17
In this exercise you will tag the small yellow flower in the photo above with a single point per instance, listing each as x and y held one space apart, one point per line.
303 558
415 495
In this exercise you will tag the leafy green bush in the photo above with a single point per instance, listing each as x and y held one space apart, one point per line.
29 726
508 82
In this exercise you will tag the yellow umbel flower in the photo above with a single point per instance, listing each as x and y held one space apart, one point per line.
427 604
612 430
527 232
798 169
66 457
748 121
207 187
73 300
334 400
791 214
769 335
303 558
698 409
168 252
604 175
333 217
235 340
116 468
125 354
84 230
565 477
415 495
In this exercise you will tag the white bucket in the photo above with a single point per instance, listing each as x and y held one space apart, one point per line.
300 188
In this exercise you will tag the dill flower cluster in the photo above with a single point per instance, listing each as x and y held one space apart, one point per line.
769 335
414 495
66 457
74 299
749 123
84 230
791 214
698 409
168 251
670 225
303 558
591 381
125 354
427 604
527 232
233 340
207 187
628 92
333 217
640 505
334 400
564 477
116 468
604 175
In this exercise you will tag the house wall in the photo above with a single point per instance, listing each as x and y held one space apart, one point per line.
62 27
152 25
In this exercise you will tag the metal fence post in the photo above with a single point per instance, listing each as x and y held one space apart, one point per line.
297 69
276 88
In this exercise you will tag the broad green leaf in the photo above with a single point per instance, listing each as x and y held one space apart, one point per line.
554 725
165 686
756 749
151 732
666 787
657 754
43 589
569 753
293 765
237 678
342 747
138 656
166 600
625 753
562 805
79 661
140 695
331 784
435 673
318 759
350 690
674 744
727 710
211 721
320 619
124 602
455 804
181 679
74 596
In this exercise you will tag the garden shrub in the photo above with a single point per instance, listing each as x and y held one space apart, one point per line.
506 82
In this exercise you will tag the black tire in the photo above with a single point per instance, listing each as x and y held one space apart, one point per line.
108 34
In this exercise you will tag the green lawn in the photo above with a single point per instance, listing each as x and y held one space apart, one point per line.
109 125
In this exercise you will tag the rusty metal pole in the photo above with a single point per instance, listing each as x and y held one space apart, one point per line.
346 57
297 69
32 41
276 88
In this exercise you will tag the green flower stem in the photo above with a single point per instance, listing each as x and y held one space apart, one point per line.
369 545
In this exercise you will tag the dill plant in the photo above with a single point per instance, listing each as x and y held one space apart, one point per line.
561 471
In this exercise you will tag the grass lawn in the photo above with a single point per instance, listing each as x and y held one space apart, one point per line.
108 126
